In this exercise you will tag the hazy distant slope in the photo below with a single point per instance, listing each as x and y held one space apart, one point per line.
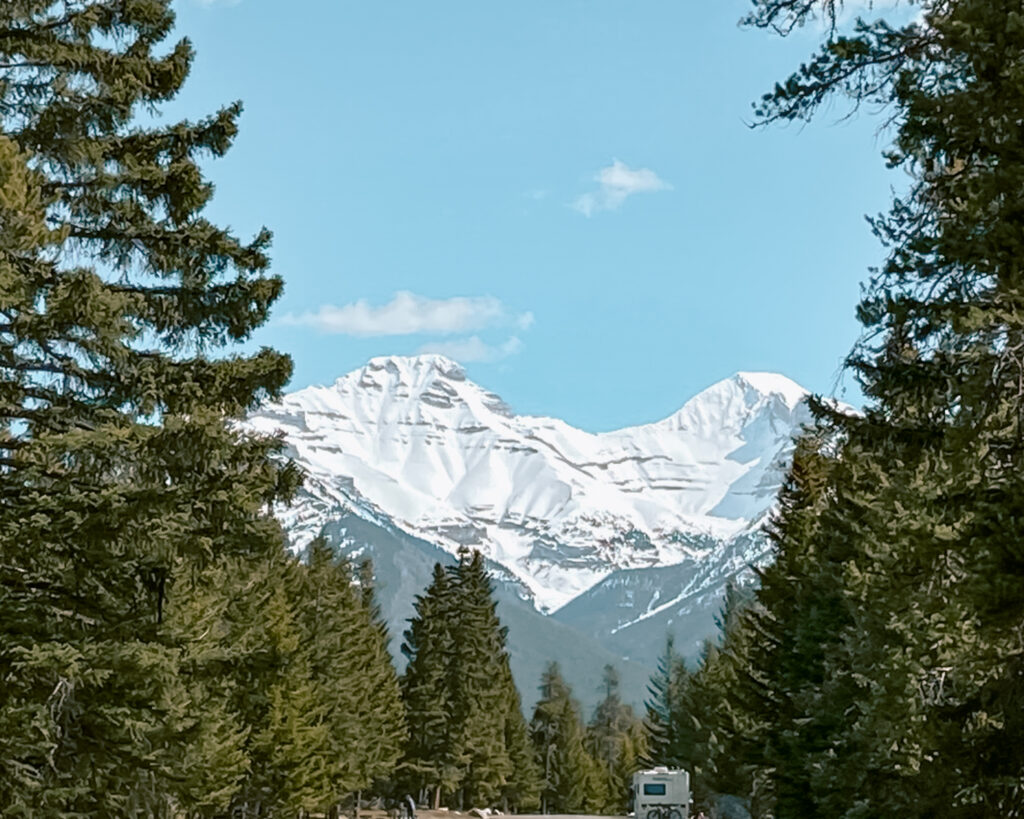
403 566
413 441
621 536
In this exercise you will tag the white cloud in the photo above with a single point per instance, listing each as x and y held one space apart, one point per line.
408 313
617 183
467 350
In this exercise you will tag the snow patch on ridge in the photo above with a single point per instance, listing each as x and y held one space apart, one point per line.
412 441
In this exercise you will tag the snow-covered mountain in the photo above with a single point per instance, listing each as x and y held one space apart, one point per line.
413 443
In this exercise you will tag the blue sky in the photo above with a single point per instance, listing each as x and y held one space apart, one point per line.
565 195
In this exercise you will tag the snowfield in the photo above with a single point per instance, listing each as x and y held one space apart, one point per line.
411 442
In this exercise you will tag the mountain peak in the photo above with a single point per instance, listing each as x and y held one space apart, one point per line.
773 384
415 362
416 367
732 403
410 439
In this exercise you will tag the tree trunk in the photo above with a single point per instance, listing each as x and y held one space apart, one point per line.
437 798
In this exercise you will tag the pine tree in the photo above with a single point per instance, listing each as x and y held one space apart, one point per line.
276 697
478 696
570 782
293 772
381 715
717 728
752 722
521 791
119 469
617 741
663 696
333 639
431 761
468 741
920 687
214 761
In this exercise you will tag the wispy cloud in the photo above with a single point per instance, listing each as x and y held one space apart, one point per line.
408 314
474 349
616 183
524 321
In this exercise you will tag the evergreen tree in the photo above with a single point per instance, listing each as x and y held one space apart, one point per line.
328 609
119 470
715 726
381 714
292 769
294 650
314 685
617 742
521 791
750 722
214 761
431 761
275 696
467 736
901 684
663 697
479 699
570 783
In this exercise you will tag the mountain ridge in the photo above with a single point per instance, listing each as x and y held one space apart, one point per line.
600 544
413 441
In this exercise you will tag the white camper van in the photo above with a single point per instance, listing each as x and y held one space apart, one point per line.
661 793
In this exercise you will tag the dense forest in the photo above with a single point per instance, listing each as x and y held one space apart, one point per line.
163 654
878 669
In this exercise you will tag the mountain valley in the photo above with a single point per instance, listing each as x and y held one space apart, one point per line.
600 544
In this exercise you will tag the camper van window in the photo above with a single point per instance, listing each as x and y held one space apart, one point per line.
656 789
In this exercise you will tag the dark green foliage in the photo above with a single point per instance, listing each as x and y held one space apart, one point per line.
717 727
750 699
214 759
879 671
375 750
617 742
570 779
334 641
307 678
521 790
661 706
478 697
252 660
430 760
120 473
159 654
467 736
288 748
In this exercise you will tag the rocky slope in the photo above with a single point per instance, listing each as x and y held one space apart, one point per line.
617 535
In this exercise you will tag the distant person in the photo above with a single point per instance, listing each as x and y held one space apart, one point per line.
409 807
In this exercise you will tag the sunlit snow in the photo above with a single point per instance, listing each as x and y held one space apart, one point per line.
412 440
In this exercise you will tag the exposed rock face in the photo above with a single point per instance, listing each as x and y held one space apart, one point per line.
572 520
412 440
